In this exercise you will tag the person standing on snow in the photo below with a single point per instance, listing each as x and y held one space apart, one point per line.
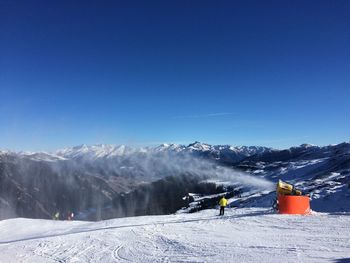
70 216
223 204
56 216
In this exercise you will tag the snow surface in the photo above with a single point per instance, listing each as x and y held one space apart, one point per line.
242 235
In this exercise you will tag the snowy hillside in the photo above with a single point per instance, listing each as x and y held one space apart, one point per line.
107 181
242 235
322 172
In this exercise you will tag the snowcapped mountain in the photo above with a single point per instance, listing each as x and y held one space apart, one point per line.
99 181
105 151
109 151
95 151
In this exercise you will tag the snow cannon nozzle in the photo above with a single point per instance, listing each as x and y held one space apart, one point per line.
284 188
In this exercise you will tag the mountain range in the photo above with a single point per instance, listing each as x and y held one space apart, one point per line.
106 181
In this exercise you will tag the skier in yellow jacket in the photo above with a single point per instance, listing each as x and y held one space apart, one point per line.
223 204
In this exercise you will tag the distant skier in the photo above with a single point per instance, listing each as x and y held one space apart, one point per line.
56 216
70 216
223 204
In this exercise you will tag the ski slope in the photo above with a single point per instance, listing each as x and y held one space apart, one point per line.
242 235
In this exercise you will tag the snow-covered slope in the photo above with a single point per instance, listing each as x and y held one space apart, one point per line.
107 181
322 172
101 180
242 235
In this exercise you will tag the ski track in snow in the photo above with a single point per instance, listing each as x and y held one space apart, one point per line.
242 235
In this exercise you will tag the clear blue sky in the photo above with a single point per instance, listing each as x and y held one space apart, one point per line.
274 73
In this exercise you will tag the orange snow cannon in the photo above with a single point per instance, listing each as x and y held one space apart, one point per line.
291 200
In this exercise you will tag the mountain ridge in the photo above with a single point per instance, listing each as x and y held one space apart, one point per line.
103 178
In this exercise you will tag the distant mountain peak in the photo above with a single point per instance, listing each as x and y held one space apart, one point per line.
307 145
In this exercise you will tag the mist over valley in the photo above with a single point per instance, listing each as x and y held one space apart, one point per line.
107 181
